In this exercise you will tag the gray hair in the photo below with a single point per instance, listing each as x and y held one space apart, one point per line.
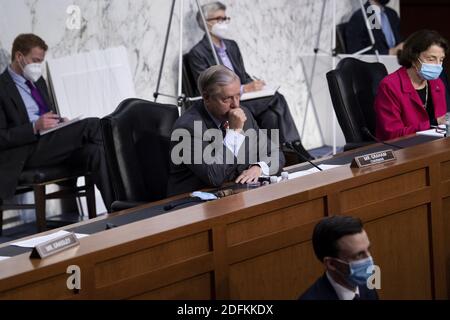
210 80
207 10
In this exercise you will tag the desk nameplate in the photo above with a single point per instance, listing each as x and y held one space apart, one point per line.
373 159
54 246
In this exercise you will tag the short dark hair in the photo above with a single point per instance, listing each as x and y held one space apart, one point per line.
419 42
329 230
25 42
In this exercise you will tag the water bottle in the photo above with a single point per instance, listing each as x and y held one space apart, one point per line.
284 176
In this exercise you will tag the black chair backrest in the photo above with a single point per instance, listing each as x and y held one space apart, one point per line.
341 47
137 145
353 86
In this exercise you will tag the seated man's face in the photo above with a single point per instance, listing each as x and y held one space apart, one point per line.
226 99
215 17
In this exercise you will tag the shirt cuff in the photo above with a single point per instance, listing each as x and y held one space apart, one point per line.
264 168
233 141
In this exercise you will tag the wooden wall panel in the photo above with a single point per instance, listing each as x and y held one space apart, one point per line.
383 190
446 214
141 262
53 288
283 219
400 247
282 274
198 288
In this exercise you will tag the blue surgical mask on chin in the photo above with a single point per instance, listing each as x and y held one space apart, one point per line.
358 271
430 71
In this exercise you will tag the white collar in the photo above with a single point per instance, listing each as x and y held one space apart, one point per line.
342 292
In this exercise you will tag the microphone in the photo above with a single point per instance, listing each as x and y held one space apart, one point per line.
367 132
289 145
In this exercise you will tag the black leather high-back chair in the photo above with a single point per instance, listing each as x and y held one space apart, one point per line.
353 86
137 144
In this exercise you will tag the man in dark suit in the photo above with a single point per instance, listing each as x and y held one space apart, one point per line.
342 245
26 110
387 33
270 112
218 141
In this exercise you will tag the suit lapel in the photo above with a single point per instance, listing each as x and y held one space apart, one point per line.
14 94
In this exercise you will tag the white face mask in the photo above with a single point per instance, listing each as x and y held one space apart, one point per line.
32 71
220 30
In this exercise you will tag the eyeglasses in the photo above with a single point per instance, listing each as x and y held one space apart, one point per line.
220 19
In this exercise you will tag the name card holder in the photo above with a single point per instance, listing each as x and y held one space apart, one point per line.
54 246
373 159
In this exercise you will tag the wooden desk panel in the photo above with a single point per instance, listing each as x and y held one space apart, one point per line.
257 244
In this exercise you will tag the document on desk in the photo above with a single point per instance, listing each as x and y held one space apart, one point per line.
33 242
267 91
61 125
324 167
434 132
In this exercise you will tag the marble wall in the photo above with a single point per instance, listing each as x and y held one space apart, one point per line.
272 34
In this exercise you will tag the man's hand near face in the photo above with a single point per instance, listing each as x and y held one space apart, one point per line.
236 119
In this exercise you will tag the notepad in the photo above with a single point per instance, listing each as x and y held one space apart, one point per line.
267 91
61 125
433 132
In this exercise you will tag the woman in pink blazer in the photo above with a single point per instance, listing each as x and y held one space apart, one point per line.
413 98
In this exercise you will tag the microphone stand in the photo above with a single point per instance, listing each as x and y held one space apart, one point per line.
367 132
181 98
291 147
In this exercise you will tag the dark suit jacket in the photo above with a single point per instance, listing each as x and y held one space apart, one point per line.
323 290
16 132
191 177
357 36
201 58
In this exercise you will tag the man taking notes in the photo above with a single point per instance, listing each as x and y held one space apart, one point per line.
26 110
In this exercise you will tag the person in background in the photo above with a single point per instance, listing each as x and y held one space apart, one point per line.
342 245
270 112
414 97
387 38
26 110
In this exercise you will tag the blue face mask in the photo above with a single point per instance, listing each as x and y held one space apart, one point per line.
430 71
359 271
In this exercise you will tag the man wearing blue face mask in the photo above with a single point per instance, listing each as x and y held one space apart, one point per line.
342 245
414 97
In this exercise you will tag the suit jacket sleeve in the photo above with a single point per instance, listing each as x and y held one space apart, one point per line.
246 77
218 171
197 63
13 136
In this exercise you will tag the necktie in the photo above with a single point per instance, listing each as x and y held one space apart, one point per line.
387 30
224 126
43 108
